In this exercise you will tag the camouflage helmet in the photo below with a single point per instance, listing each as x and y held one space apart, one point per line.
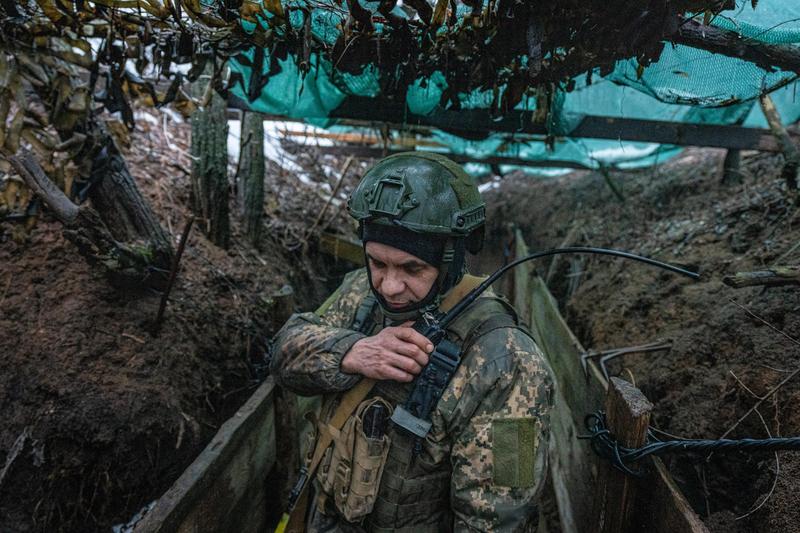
427 194
420 191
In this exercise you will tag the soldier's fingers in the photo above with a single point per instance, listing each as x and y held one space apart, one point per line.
415 337
395 374
411 350
416 354
406 364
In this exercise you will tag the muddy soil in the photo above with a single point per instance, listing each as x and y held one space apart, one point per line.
100 416
729 346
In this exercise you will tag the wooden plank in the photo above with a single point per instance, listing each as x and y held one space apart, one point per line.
222 489
677 133
520 279
572 462
679 516
472 121
377 153
628 418
342 248
573 465
364 112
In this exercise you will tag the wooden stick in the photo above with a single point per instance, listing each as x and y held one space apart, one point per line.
335 191
731 44
628 413
33 174
761 400
774 277
172 275
789 149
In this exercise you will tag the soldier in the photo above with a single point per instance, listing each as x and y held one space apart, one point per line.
483 462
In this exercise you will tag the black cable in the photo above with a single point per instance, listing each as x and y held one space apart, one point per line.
621 457
469 298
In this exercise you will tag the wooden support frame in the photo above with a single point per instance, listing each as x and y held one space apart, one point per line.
377 153
573 466
362 111
628 417
472 121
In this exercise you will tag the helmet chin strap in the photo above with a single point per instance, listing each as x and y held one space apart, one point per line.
452 261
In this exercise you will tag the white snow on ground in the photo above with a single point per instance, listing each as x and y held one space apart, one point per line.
623 152
146 116
488 186
274 131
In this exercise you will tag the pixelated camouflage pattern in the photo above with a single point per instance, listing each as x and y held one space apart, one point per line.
309 348
450 485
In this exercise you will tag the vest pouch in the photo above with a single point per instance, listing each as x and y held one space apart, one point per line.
351 469
370 450
334 468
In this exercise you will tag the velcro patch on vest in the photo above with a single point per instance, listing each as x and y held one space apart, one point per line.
514 443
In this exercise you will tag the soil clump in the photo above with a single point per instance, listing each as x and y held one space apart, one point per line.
100 416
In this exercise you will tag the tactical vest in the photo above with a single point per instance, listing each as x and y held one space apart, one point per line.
414 492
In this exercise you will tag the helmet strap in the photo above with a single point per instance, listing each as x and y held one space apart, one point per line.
451 269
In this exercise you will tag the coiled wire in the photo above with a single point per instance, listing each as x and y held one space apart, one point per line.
603 443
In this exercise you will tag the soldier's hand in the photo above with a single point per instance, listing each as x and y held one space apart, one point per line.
398 353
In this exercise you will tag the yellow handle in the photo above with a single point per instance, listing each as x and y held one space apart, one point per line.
281 527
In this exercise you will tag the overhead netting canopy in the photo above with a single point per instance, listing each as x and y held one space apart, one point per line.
685 85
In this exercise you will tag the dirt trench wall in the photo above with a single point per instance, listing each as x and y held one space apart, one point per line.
722 355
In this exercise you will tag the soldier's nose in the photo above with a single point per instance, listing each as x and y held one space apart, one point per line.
392 286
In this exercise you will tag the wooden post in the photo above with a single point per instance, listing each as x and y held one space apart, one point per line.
287 415
731 168
209 152
250 176
628 416
281 307
790 151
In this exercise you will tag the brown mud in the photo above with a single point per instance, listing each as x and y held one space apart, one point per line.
99 417
729 346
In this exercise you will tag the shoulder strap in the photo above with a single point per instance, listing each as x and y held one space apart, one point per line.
467 283
298 505
363 321
299 500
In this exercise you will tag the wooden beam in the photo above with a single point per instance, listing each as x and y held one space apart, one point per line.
628 417
472 122
476 123
731 44
342 248
573 465
677 133
377 153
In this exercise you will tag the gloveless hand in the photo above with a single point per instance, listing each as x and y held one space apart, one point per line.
398 353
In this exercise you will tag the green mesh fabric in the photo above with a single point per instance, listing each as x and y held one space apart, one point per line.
684 85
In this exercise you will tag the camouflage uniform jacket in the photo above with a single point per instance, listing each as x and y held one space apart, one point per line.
485 459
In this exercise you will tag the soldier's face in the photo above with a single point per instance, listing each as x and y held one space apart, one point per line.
401 278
